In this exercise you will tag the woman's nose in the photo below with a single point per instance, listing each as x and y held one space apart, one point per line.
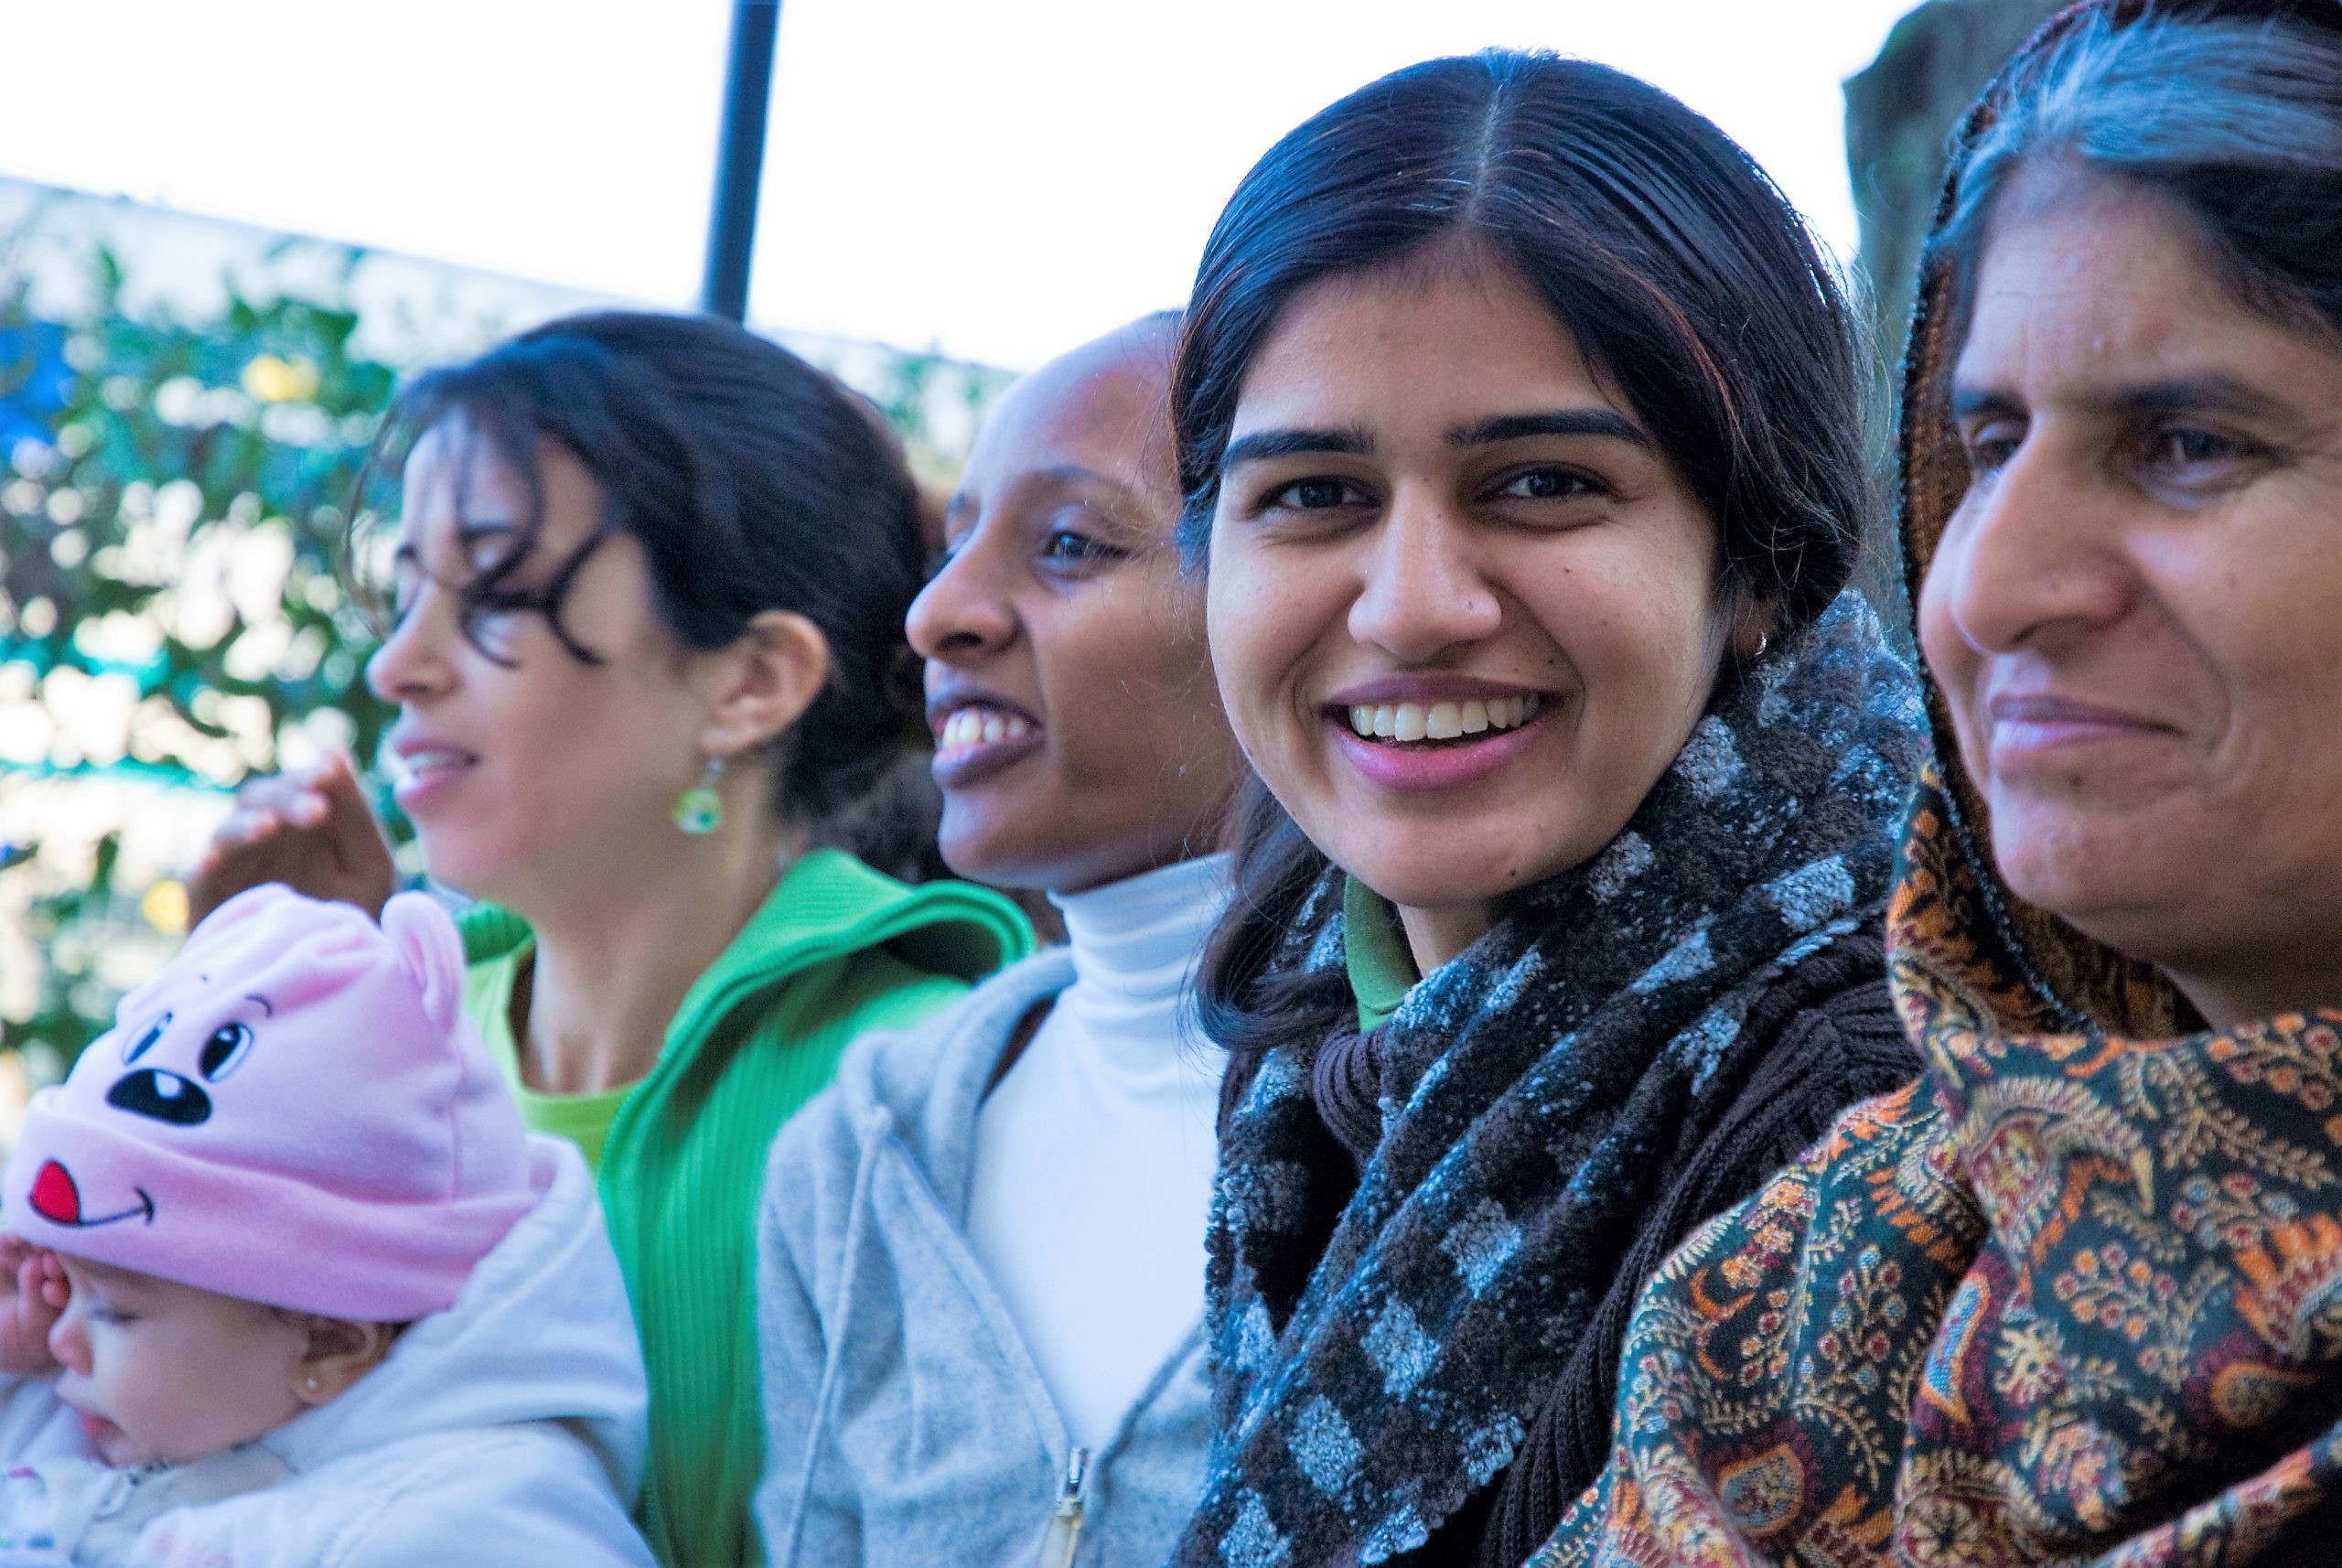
2033 555
962 611
1423 591
411 664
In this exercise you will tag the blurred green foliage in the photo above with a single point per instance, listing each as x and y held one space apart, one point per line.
171 525
174 613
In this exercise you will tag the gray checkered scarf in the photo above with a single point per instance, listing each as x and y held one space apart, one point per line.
1530 1089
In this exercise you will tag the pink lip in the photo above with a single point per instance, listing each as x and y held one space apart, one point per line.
2034 724
1450 765
417 790
405 742
966 765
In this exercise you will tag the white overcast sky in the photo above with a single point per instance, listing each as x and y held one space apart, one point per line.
999 178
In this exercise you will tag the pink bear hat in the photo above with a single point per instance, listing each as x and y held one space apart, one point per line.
293 1112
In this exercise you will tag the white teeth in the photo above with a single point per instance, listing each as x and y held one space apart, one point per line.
1407 722
981 726
415 765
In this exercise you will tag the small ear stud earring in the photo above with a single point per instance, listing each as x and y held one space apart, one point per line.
310 1384
1764 641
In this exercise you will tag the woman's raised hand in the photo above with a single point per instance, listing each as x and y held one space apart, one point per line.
311 831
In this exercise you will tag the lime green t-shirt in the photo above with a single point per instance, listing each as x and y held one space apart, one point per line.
583 1118
837 951
1374 944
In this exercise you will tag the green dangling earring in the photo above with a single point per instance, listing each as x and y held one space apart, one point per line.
700 811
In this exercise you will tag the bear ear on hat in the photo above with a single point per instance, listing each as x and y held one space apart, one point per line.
432 952
234 914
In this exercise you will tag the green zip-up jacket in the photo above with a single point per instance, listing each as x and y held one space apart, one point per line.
837 951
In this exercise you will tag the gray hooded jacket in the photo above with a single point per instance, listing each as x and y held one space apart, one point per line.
906 1423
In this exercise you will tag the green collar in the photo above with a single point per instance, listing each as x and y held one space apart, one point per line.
1381 969
827 905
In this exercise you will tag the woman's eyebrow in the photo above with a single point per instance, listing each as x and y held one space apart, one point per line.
2181 394
1053 476
1073 475
1042 486
2193 395
1601 422
1975 402
1293 443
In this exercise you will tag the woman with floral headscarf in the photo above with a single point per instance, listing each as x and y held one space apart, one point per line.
2076 1296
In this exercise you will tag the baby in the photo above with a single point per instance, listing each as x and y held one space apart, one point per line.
292 1286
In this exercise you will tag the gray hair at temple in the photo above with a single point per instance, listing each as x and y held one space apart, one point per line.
2238 120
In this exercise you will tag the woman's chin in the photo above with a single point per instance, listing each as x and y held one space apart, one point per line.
2101 885
464 868
1429 883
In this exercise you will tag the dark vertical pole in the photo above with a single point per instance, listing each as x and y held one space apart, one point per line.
739 159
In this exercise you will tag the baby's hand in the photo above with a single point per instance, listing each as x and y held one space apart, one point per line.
31 1309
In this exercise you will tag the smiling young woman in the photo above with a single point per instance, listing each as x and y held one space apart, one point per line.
1489 610
1520 431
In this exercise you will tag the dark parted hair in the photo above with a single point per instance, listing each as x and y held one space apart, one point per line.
753 482
1688 280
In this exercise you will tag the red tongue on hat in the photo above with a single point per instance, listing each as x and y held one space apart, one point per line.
55 1197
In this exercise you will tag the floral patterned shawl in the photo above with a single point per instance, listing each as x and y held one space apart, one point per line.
2074 1298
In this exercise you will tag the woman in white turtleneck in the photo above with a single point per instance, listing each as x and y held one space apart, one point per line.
1094 1157
981 1288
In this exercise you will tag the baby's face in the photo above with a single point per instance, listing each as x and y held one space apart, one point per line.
159 1370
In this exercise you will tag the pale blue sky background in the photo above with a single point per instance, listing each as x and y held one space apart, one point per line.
997 177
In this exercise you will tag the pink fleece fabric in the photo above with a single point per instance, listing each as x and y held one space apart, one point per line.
294 1112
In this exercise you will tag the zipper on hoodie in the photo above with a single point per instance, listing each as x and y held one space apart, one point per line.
1065 1518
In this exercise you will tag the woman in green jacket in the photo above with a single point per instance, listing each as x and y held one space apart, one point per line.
648 588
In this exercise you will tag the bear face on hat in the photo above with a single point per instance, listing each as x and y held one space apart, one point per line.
149 1088
293 1112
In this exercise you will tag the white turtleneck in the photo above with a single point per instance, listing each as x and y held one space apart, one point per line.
1094 1157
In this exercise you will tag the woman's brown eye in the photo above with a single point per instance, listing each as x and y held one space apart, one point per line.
1548 484
2180 448
1991 449
1313 495
1064 545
